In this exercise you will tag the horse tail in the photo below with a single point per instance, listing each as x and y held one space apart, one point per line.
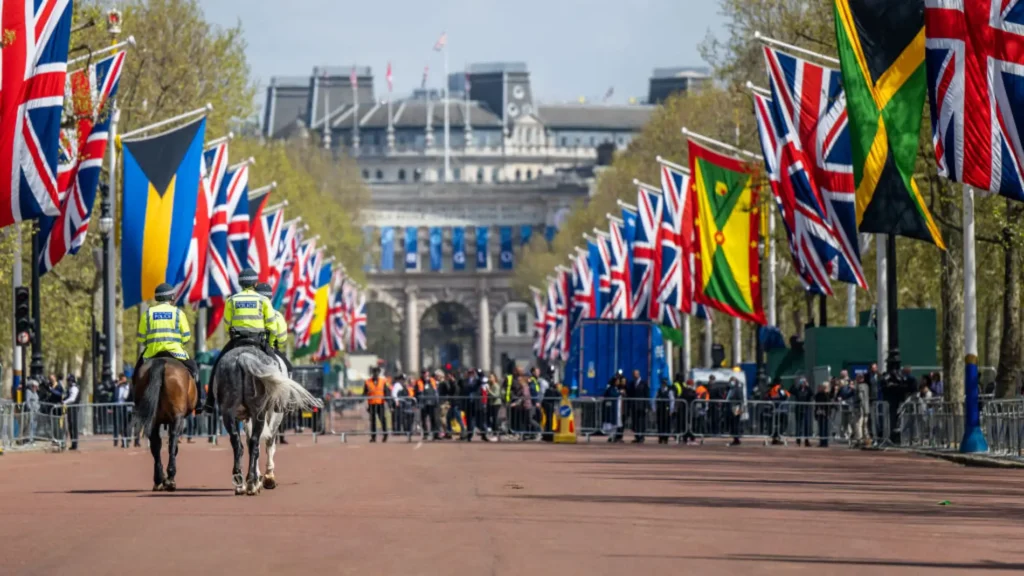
146 406
283 393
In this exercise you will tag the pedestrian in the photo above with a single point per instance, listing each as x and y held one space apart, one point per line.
736 398
375 391
937 386
874 386
495 397
429 399
693 405
845 395
549 405
779 398
612 410
71 404
528 408
664 406
32 407
640 402
803 399
862 408
121 426
823 414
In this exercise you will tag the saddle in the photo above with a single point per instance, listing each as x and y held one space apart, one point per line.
253 339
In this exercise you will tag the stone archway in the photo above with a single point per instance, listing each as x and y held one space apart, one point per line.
448 336
384 334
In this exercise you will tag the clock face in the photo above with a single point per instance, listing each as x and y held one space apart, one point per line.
460 258
506 257
518 92
513 110
410 258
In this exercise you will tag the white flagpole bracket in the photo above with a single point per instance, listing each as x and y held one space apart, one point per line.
250 161
218 141
646 187
130 42
197 112
758 89
627 206
262 190
708 140
787 46
672 165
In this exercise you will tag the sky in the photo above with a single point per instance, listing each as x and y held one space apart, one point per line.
572 48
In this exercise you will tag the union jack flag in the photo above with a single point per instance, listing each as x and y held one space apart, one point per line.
604 278
810 100
204 265
261 238
539 321
32 78
620 296
551 333
975 65
81 160
357 324
332 339
284 254
646 273
563 288
808 238
238 224
583 291
675 289
305 297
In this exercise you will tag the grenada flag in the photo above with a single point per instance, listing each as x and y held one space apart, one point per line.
724 196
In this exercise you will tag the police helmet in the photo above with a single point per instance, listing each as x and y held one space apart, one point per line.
248 278
164 293
264 289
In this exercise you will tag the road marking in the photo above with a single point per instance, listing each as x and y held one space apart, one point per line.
418 445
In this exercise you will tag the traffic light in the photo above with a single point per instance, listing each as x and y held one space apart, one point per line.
22 315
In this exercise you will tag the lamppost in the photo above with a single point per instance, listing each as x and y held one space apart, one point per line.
758 344
106 229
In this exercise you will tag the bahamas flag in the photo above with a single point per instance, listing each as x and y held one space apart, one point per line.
727 271
881 52
316 327
161 186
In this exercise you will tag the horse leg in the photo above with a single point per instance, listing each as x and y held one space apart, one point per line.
158 467
231 425
173 434
270 439
252 481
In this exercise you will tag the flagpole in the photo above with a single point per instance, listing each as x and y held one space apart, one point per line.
262 190
447 127
737 325
804 51
109 250
112 48
211 144
974 439
250 161
672 165
881 304
772 317
274 208
391 126
687 347
708 140
197 112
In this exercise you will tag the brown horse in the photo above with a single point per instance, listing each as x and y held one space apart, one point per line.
165 394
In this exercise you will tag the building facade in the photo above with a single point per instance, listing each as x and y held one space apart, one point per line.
516 167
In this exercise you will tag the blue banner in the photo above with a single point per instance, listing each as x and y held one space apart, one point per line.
525 234
505 259
411 251
596 267
435 249
387 248
481 247
459 248
549 233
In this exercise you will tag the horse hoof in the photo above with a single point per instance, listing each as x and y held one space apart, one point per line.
170 485
239 490
239 484
158 487
269 482
252 490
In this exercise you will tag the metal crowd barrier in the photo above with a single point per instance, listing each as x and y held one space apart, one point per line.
930 424
1003 424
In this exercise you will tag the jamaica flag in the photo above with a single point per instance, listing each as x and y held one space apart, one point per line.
727 270
881 52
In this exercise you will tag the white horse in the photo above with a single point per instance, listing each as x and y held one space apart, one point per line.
272 421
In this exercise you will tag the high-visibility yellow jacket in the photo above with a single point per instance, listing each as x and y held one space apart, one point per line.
164 328
248 312
278 330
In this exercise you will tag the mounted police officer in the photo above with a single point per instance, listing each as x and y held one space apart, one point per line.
164 331
248 318
277 335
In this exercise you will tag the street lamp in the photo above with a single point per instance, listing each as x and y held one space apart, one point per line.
758 344
106 229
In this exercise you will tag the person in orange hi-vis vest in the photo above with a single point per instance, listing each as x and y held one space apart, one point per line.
375 391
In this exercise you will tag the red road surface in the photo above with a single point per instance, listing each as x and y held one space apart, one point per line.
512 509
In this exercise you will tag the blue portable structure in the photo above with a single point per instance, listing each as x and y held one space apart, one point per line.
601 347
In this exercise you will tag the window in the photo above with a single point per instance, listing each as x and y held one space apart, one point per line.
619 140
417 174
521 323
380 175
495 175
401 174
592 141
529 174
366 174
577 141
457 174
518 176
565 141
479 174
